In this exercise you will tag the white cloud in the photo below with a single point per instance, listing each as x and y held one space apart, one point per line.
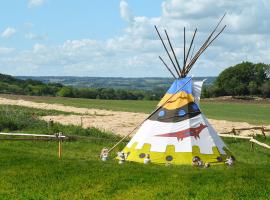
38 48
8 32
28 25
35 3
125 11
135 52
33 36
6 50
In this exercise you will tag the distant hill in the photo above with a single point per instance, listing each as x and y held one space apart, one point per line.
88 87
112 82
13 85
104 88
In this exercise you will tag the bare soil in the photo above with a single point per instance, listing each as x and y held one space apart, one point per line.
113 121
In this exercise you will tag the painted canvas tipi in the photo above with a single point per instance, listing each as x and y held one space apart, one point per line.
177 131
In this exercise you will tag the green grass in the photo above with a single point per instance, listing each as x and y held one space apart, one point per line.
116 105
240 112
32 170
254 113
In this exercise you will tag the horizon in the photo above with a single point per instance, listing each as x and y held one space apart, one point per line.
115 76
118 39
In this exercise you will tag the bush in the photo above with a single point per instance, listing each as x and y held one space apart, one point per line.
65 92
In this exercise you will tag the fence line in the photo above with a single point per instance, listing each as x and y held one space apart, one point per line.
236 131
234 136
34 135
251 139
60 137
57 136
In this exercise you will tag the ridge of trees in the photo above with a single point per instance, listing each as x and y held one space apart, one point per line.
11 85
244 79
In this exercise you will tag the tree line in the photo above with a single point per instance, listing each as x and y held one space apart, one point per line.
109 93
11 85
244 79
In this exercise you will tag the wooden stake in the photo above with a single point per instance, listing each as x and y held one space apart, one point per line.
59 149
186 58
59 146
50 123
234 133
179 68
252 145
81 121
204 46
167 51
184 61
263 132
167 67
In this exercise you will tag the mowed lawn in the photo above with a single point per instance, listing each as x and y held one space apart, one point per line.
32 170
254 113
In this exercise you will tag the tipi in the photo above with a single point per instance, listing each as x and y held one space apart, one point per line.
177 131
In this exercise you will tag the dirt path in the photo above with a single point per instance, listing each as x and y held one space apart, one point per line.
112 121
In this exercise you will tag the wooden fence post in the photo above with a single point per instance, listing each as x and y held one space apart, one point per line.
59 145
234 133
263 132
252 146
50 124
81 121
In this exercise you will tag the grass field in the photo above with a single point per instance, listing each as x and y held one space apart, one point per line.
254 113
31 170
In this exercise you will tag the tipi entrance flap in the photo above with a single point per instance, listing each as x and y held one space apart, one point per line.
197 89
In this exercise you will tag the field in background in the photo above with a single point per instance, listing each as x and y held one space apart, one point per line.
251 112
31 170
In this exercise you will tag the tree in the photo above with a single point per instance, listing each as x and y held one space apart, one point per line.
65 92
212 91
253 88
245 78
107 93
265 89
121 94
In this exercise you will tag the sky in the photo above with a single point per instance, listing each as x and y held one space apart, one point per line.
116 38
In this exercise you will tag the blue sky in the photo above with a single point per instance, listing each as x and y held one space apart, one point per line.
117 38
61 20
